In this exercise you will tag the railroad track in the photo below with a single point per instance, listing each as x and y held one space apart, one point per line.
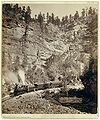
39 93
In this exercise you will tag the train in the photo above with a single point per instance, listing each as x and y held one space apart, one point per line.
21 89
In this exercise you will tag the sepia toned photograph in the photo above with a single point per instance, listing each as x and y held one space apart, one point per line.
49 58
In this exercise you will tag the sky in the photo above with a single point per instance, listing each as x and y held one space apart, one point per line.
59 9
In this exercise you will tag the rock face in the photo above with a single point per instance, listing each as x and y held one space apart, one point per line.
18 46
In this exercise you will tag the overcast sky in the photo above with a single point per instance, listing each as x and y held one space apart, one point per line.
59 9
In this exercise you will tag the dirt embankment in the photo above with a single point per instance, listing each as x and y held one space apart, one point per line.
32 103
